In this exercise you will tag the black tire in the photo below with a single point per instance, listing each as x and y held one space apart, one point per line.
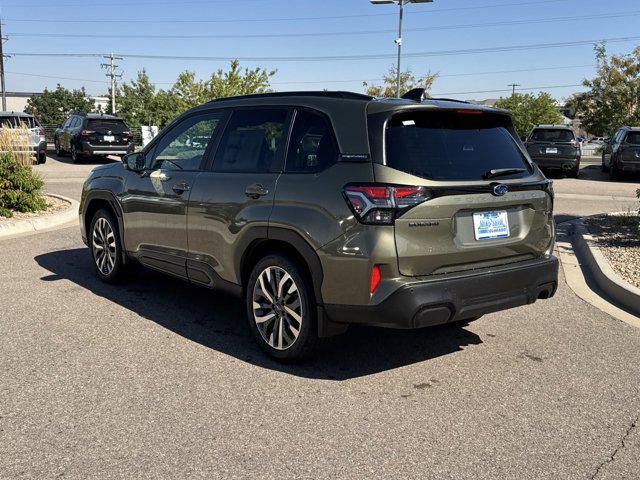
282 309
114 273
614 174
42 158
575 173
59 151
74 154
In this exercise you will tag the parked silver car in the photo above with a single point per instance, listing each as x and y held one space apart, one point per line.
37 139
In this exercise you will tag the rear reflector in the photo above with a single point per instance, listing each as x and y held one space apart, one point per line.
375 278
469 111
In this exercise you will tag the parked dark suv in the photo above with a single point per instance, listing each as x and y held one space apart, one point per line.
323 209
555 147
85 135
621 153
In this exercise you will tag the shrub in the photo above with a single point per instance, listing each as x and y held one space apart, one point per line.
20 188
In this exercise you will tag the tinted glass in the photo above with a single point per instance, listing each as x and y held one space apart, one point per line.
452 146
28 122
633 138
103 126
183 147
253 141
552 135
312 147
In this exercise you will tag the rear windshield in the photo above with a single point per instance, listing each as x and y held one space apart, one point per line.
28 122
633 138
452 145
107 125
552 135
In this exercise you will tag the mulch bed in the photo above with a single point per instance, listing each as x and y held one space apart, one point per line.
618 238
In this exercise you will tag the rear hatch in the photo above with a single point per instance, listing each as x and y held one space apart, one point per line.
108 132
631 149
484 202
551 143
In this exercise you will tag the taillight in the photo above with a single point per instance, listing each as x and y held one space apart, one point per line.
86 133
42 132
376 276
128 133
381 204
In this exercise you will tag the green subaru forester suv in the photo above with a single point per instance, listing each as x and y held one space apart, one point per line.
324 209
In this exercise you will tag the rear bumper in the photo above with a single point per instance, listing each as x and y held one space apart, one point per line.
560 163
89 149
456 297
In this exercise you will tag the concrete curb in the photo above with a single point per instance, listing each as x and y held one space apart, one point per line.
606 278
26 225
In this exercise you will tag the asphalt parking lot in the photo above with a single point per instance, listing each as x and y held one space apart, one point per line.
158 379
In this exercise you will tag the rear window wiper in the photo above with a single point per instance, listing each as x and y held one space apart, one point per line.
501 172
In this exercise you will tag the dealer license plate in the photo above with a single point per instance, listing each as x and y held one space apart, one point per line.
488 225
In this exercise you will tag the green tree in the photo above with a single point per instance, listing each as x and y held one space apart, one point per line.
613 98
54 106
408 81
237 81
529 110
140 103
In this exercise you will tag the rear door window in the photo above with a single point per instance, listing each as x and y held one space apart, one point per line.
453 145
253 141
552 135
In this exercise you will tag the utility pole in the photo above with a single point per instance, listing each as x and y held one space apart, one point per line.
2 84
111 69
513 86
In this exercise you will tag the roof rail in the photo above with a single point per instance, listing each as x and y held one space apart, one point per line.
450 100
324 94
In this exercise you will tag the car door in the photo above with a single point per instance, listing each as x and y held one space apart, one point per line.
64 134
155 200
235 196
609 148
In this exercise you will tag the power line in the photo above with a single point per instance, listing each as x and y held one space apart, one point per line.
286 19
329 34
302 82
547 87
154 2
438 53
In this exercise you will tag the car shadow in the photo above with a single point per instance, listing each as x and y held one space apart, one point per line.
216 321
95 160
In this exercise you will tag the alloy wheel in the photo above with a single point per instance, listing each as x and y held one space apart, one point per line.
277 308
104 246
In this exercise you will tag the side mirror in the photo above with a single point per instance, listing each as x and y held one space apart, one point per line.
134 161
523 138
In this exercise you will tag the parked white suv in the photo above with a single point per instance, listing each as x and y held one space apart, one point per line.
37 138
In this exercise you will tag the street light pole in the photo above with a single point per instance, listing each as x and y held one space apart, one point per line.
399 42
401 4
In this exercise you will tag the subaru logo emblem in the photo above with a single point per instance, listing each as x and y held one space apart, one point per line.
500 189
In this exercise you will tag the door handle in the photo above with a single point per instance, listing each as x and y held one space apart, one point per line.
181 187
256 190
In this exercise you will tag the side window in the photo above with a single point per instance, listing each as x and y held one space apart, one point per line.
183 147
76 122
67 122
312 147
253 142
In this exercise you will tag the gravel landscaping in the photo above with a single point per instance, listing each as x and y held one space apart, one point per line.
54 205
618 238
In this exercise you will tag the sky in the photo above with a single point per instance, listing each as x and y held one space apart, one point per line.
317 44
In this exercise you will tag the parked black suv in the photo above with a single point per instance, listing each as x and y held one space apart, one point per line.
621 153
84 135
555 147
323 209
